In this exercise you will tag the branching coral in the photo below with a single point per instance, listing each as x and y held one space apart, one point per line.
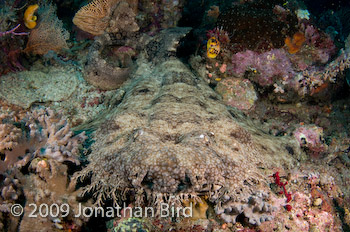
44 141
55 133
13 31
47 136
311 80
9 140
9 136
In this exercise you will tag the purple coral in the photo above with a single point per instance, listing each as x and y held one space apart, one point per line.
322 44
13 32
267 66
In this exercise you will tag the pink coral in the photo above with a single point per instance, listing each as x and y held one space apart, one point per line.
268 65
310 137
322 44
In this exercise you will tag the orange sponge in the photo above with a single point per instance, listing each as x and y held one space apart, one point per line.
295 44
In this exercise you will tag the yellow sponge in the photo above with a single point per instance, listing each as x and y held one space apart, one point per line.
29 17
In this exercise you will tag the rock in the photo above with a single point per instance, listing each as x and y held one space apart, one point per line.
237 93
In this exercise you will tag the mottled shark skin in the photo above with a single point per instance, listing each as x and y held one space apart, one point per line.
171 138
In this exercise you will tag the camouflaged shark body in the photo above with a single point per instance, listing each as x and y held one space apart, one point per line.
171 138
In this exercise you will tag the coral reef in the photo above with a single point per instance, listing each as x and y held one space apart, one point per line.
54 132
312 204
293 76
254 137
9 136
255 208
289 60
265 68
33 170
316 79
48 183
11 192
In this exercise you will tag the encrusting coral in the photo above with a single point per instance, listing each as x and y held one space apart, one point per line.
171 139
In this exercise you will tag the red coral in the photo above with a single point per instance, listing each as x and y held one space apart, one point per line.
278 181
